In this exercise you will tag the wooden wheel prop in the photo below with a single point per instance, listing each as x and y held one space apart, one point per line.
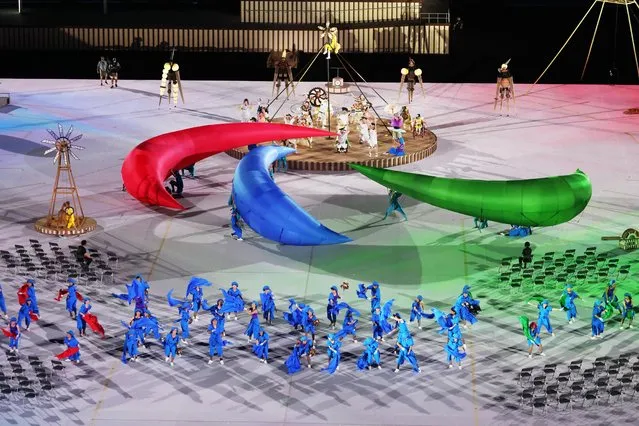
629 239
316 96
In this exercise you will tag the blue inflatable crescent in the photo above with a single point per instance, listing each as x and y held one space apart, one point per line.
268 210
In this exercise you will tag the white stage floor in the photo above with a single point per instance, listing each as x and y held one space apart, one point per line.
554 131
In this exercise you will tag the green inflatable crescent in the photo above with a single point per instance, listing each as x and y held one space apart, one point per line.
531 202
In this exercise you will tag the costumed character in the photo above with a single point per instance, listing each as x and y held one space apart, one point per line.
331 308
260 348
480 223
282 65
13 333
531 332
301 349
349 325
544 316
519 231
610 299
295 314
233 301
218 311
404 346
216 342
26 314
245 113
406 119
467 307
236 224
3 304
419 127
628 310
376 320
376 294
364 131
72 353
371 356
334 346
254 324
341 143
171 84
454 343
410 75
102 70
400 145
72 297
567 303
28 291
114 70
309 322
417 311
372 141
171 342
597 323
393 204
81 323
130 347
194 289
281 164
61 221
268 304
505 88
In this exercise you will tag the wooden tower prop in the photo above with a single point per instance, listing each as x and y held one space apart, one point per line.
69 219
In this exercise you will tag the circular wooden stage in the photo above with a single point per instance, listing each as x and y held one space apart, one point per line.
322 157
45 226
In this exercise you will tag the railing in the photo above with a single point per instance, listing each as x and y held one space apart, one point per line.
413 39
337 12
435 18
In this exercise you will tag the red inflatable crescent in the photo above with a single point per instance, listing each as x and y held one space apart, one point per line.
150 163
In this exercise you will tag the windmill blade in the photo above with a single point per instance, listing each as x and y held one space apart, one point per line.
50 150
60 130
508 61
75 138
48 142
56 158
75 157
78 147
52 133
69 132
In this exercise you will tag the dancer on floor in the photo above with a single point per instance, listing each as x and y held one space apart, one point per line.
72 297
81 322
295 314
218 313
171 342
405 345
72 353
371 355
466 307
544 316
26 314
453 354
334 346
194 289
301 349
13 333
400 144
309 322
184 321
567 303
254 324
3 304
233 301
376 294
393 204
331 308
376 319
28 291
260 348
531 332
610 298
216 342
417 310
268 304
130 347
597 323
236 223
349 325
628 310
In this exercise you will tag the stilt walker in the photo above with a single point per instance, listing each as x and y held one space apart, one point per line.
171 83
410 75
505 88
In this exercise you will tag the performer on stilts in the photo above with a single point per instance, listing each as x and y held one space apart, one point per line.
505 88
3 304
610 298
233 300
349 325
310 322
26 314
404 346
72 353
454 343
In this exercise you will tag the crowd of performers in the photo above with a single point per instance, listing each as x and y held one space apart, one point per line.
385 323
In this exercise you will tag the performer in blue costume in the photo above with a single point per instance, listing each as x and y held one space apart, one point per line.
453 353
371 355
254 324
519 231
218 313
236 224
393 204
349 325
376 319
268 304
31 294
309 322
544 316
3 304
171 342
216 342
386 317
467 307
480 223
397 150
331 307
597 322
376 294
72 342
130 347
417 311
72 298
301 349
404 345
14 335
194 289
610 298
24 314
233 301
260 348
334 346
567 302
137 324
137 289
628 310
295 314
152 326
184 321
81 323
531 332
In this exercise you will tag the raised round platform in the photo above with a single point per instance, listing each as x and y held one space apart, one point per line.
322 157
45 226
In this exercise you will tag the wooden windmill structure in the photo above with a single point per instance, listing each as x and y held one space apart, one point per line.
283 64
70 218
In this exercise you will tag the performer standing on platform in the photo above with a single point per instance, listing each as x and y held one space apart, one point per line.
372 140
